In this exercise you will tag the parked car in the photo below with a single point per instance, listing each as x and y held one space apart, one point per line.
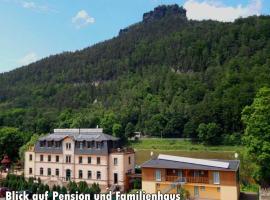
3 191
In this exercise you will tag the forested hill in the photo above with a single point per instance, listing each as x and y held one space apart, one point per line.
164 75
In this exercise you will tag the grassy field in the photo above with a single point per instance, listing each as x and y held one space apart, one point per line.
176 144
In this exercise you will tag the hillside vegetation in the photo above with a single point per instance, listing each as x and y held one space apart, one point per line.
165 75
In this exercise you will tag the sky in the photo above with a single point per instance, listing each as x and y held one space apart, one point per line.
34 29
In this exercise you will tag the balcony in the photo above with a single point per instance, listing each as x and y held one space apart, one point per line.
187 179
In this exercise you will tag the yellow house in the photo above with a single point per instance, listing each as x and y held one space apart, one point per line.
203 179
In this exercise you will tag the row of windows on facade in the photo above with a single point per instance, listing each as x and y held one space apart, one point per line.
68 159
79 145
216 176
80 172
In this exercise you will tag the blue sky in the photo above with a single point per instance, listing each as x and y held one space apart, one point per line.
33 29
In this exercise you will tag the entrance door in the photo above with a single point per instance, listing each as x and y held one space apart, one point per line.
115 179
196 191
68 174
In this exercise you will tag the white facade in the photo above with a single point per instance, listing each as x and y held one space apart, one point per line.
59 168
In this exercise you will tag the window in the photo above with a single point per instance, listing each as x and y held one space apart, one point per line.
81 145
30 170
50 143
30 157
49 158
80 159
218 189
41 158
42 143
89 160
196 191
196 173
49 171
56 158
68 146
80 174
180 173
57 144
99 145
216 178
89 174
56 172
98 160
158 175
115 161
202 188
68 159
129 160
90 144
98 175
41 171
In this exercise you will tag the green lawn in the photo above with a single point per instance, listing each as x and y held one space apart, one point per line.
183 145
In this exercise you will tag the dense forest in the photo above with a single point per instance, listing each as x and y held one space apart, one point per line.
165 76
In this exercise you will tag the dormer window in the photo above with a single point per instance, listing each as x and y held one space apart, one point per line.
42 143
81 145
99 145
50 143
90 144
57 144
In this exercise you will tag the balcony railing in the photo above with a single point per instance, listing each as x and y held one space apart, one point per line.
187 179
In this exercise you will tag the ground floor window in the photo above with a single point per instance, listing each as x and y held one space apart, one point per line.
30 171
98 175
56 172
41 171
49 171
196 191
202 188
89 175
80 174
68 175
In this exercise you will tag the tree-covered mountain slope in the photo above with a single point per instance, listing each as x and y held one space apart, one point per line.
165 75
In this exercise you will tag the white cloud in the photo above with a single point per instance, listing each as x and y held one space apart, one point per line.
28 4
31 5
27 59
215 10
82 19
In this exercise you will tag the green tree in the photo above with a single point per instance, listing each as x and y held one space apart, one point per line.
72 187
129 130
256 118
11 139
28 145
209 133
95 188
82 187
107 122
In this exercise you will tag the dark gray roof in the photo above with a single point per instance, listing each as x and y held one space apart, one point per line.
79 135
168 164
